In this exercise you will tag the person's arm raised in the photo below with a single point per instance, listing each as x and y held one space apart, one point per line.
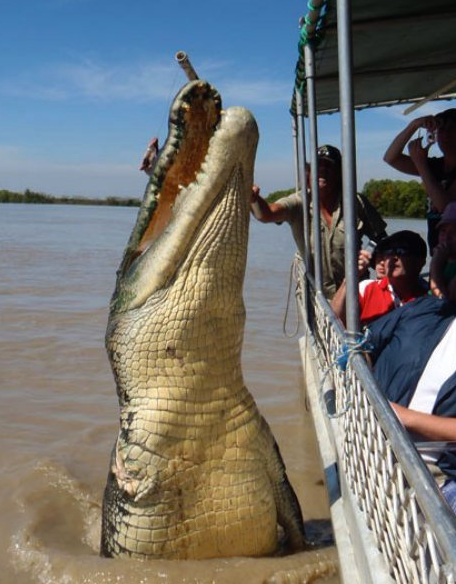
394 155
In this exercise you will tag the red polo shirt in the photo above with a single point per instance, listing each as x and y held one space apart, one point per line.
378 297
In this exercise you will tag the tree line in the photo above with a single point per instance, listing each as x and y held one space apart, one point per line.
29 196
391 198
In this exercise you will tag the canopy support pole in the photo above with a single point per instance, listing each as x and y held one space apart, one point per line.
348 163
309 55
303 179
294 133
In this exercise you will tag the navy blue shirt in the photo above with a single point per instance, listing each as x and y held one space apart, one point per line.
403 341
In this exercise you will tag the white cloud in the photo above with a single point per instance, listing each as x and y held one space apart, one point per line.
88 78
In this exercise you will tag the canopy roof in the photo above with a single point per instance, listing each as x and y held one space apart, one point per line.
403 51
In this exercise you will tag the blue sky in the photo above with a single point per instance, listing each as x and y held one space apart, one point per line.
84 84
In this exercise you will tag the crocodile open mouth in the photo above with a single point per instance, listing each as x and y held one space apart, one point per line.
208 157
193 120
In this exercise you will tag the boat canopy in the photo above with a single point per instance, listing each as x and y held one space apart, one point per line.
402 52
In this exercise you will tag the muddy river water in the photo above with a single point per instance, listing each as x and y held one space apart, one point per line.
59 412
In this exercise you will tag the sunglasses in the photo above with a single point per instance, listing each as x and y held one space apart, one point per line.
396 251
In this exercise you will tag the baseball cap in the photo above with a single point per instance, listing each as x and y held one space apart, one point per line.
448 215
330 153
403 243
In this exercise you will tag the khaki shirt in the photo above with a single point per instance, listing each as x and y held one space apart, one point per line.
369 223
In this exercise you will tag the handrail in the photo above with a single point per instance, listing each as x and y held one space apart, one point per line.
402 508
432 503
412 464
391 473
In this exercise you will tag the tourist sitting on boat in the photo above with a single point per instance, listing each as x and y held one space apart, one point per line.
413 357
437 173
404 255
443 265
290 209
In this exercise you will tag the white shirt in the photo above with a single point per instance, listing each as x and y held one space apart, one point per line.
440 366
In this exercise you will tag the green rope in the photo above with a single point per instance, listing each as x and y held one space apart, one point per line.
317 36
311 7
305 39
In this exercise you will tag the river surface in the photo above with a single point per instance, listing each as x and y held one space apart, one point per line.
59 411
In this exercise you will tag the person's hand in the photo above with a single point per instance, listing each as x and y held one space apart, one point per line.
149 155
364 260
255 194
417 152
429 123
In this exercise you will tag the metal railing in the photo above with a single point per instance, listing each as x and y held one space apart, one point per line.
402 507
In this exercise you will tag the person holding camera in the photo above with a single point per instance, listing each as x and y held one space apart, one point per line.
438 174
404 255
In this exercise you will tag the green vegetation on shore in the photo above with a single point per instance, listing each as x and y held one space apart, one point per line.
392 198
31 197
397 198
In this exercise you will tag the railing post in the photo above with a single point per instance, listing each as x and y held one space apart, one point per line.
348 162
313 143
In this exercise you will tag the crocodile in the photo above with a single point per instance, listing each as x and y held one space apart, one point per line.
195 471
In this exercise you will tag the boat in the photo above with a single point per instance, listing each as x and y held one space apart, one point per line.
390 521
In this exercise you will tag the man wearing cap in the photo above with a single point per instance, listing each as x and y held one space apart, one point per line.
404 255
443 265
438 174
290 209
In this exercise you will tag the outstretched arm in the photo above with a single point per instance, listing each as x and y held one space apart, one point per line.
264 211
428 426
